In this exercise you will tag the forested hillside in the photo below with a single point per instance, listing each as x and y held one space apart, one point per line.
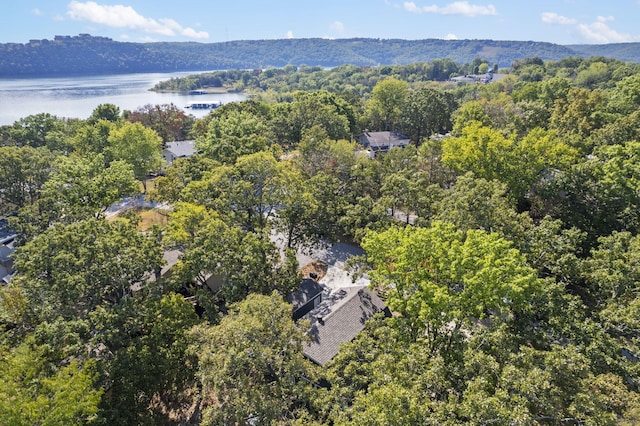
504 238
87 55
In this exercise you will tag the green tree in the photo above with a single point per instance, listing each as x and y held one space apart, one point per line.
138 146
70 270
481 150
436 276
23 172
387 101
225 260
468 113
625 98
248 192
251 365
233 135
477 203
323 109
426 112
91 139
31 393
80 188
34 129
150 334
597 195
582 113
108 112
538 154
168 187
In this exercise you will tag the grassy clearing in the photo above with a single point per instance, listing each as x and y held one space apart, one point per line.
148 216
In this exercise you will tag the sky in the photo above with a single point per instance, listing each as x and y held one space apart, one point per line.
209 21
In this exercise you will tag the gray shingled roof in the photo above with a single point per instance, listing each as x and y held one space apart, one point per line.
181 149
383 140
309 289
338 319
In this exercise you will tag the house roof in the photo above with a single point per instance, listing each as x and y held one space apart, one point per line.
6 233
171 257
309 289
338 319
377 140
5 253
5 275
181 148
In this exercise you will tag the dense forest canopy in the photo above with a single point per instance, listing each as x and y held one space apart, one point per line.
88 55
504 237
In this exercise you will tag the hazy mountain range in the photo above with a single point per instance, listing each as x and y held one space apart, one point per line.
88 55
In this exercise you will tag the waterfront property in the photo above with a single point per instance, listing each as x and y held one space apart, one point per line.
204 105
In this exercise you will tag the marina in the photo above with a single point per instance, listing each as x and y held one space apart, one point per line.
204 105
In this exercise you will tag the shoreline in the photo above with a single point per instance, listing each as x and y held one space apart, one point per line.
208 90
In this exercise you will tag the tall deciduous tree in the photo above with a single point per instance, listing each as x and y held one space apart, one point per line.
80 188
91 139
387 101
23 171
426 112
169 121
33 129
250 191
70 270
137 145
30 393
437 276
234 134
481 150
251 365
108 112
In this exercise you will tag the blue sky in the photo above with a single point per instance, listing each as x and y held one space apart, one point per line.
556 21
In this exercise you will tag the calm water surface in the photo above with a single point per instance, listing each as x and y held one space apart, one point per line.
77 97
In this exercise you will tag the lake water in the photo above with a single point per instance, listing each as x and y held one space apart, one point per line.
77 97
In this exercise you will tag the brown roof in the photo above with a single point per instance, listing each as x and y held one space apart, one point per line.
338 319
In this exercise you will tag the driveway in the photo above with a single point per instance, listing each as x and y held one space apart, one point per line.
335 256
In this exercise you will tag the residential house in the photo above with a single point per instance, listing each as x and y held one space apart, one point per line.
7 240
178 149
338 319
381 142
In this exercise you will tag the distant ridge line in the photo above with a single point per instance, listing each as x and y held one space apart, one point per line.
85 54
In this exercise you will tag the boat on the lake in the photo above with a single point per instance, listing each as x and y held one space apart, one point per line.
198 92
204 105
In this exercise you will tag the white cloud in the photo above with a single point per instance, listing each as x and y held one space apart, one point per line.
289 34
451 37
120 16
37 12
605 18
455 8
554 18
337 27
600 32
191 33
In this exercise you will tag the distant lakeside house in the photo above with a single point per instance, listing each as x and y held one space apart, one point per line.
490 77
178 149
382 142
